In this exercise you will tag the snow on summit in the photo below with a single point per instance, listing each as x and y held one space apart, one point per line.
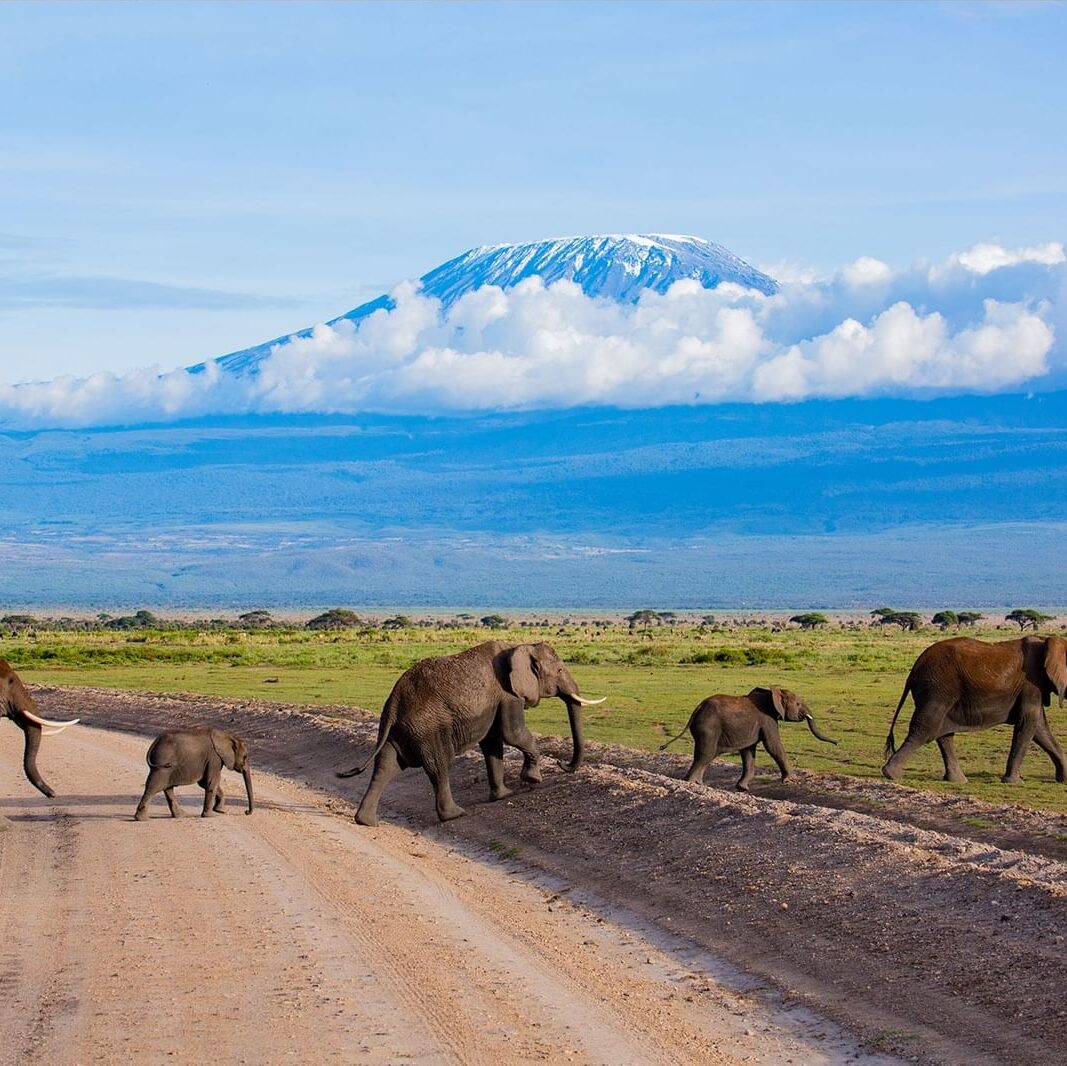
614 266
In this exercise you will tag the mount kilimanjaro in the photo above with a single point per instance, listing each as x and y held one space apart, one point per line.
615 267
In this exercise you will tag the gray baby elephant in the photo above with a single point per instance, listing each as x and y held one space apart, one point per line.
738 723
185 756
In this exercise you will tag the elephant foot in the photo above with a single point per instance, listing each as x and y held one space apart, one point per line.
449 813
890 773
500 793
956 779
786 778
369 819
208 814
532 779
741 786
140 816
1012 779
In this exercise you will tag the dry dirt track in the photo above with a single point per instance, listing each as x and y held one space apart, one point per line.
293 936
925 943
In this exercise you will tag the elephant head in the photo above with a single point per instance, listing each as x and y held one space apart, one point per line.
535 671
234 755
787 706
18 705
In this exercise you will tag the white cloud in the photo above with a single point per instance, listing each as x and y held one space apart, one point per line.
984 320
984 258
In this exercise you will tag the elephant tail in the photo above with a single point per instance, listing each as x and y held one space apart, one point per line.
667 744
384 726
890 740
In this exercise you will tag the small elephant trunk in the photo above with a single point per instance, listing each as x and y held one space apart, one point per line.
247 774
815 730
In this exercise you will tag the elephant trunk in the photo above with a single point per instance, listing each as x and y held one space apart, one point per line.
29 759
247 774
815 730
574 713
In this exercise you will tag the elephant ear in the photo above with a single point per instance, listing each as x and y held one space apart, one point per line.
521 677
1056 665
770 701
224 748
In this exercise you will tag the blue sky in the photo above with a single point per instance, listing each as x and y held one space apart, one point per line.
178 181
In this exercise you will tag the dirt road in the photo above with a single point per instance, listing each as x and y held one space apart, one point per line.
293 936
614 915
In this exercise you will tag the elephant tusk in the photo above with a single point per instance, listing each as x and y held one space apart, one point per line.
585 702
45 722
52 732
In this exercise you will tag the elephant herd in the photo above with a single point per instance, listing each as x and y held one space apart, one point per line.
445 705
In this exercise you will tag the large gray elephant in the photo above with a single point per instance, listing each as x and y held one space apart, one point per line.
445 705
962 685
185 756
17 704
738 724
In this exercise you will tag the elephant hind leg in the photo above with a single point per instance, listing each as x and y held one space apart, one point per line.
158 779
927 723
172 803
748 768
493 750
1025 731
706 747
953 771
386 767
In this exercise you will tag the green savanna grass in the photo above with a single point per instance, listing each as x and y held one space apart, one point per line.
653 678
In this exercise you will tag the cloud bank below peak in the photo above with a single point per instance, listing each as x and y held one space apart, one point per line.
985 320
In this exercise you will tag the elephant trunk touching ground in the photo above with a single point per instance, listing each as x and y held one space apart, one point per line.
247 774
18 705
568 692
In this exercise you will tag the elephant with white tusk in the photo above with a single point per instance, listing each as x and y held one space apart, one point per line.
198 755
445 705
738 724
17 704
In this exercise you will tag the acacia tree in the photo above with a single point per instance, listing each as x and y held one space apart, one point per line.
904 619
1027 618
944 619
810 620
969 618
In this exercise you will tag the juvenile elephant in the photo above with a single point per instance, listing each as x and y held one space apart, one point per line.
445 705
962 685
738 723
187 755
17 704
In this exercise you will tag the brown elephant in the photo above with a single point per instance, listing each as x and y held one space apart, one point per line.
738 723
445 705
962 685
17 704
185 756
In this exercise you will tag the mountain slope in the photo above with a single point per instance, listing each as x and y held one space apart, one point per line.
614 267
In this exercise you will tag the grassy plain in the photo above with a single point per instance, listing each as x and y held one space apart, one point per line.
652 678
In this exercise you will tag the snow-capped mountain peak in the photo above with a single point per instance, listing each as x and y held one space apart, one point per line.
611 266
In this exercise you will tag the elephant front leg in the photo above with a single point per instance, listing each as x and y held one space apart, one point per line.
772 741
493 750
219 806
513 728
953 771
1045 739
211 787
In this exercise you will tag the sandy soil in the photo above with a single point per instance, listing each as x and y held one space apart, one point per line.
615 915
294 936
